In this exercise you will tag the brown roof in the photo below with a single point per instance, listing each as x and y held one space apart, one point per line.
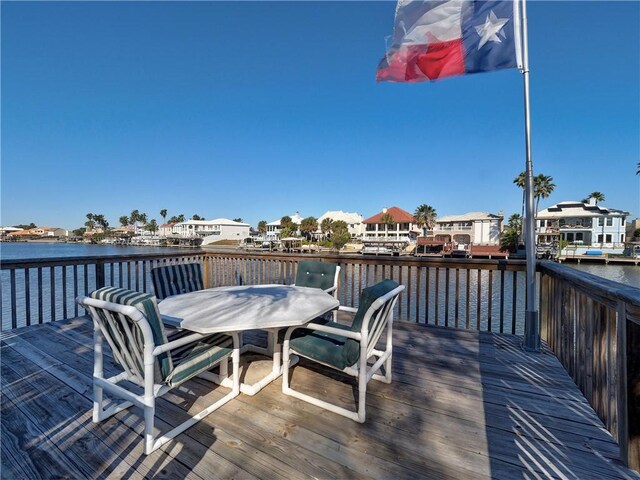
398 215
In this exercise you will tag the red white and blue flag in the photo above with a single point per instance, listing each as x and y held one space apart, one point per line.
438 39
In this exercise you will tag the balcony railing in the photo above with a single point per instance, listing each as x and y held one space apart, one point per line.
593 327
591 324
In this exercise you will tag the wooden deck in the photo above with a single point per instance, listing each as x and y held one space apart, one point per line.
462 405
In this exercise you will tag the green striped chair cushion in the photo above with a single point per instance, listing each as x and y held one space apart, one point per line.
315 274
197 358
176 279
146 304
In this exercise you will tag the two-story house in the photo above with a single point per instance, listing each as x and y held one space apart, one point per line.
477 228
212 230
273 228
353 221
585 224
401 227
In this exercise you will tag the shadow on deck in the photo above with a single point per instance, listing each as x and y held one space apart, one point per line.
461 405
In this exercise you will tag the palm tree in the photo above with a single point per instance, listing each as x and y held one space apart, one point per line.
262 227
425 216
388 221
163 214
638 170
134 216
326 226
521 182
100 220
142 218
308 226
124 220
152 226
90 223
597 196
543 186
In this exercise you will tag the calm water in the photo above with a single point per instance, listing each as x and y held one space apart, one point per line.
627 274
51 250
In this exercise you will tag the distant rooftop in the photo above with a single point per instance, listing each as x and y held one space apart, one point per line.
468 217
399 215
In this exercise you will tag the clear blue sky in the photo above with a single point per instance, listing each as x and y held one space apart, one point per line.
258 110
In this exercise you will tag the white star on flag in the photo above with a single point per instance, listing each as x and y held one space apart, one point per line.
491 28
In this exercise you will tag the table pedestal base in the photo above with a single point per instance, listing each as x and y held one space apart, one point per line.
273 351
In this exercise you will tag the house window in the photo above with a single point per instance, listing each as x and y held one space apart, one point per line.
601 222
608 238
610 222
570 237
579 237
404 226
599 238
621 237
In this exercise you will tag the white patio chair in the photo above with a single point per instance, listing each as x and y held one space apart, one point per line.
130 323
348 348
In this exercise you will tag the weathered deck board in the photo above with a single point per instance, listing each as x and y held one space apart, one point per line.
462 405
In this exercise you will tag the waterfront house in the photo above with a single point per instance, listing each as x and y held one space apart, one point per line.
5 231
166 229
354 222
584 224
212 230
477 228
631 228
39 232
403 227
273 228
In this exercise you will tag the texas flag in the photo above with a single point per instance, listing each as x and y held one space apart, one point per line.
438 39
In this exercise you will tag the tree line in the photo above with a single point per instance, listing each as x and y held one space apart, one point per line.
136 217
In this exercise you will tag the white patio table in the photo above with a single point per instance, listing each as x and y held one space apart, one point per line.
249 307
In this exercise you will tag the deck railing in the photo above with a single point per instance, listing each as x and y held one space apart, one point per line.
593 327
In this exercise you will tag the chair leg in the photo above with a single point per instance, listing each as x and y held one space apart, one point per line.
98 398
285 367
149 414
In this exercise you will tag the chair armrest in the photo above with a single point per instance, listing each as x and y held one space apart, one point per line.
194 337
331 289
343 308
324 328
171 321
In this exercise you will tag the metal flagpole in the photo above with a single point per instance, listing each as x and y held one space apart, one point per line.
531 321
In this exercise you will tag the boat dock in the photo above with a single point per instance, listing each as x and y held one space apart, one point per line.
606 259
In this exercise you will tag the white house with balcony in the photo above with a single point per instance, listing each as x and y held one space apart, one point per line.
473 228
402 228
353 220
584 224
273 228
212 230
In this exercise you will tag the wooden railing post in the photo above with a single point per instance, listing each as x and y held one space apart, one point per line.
206 270
100 274
629 385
